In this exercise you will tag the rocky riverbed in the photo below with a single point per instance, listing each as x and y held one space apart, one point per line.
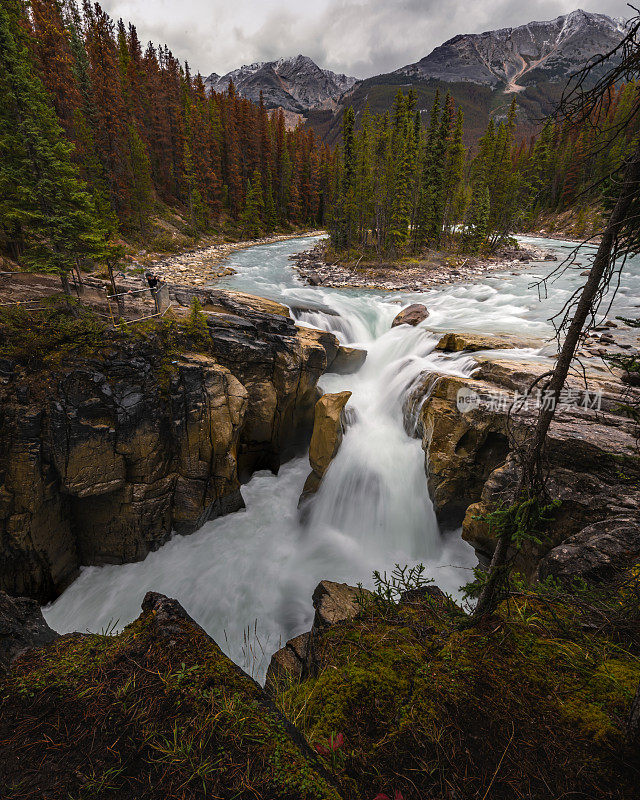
411 275
202 265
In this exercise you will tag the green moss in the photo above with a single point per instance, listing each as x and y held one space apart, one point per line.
417 696
196 725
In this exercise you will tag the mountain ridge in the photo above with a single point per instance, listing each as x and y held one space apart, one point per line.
295 84
505 55
480 70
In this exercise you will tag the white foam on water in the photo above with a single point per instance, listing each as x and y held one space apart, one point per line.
247 578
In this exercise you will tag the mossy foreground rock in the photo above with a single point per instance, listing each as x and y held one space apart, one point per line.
333 603
156 712
533 702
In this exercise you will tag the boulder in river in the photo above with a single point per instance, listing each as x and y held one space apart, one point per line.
412 315
348 360
326 438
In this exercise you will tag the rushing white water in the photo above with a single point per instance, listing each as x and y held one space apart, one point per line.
247 578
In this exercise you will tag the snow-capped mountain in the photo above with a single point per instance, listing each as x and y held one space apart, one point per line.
482 71
296 84
513 58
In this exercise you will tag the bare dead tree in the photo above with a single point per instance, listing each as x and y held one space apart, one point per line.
620 238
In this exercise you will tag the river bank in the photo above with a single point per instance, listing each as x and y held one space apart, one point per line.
199 266
319 268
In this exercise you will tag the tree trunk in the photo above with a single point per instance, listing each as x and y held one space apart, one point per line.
66 288
114 289
531 463
79 276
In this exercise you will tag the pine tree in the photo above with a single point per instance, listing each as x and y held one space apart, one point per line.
438 175
251 218
540 165
144 128
233 165
270 216
401 165
344 219
400 210
46 213
572 176
140 182
424 223
454 170
52 49
110 129
364 192
478 217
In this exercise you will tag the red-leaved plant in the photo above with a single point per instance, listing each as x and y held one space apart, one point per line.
335 743
397 795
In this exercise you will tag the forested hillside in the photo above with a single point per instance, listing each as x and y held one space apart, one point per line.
102 136
105 139
402 187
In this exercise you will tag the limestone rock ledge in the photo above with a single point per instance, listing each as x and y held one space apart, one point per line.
103 459
593 463
472 342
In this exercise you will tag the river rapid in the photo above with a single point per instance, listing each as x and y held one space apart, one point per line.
247 578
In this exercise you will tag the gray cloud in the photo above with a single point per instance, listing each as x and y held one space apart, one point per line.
359 37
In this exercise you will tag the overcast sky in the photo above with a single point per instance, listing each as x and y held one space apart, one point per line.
358 37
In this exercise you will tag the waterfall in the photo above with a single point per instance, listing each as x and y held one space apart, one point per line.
247 578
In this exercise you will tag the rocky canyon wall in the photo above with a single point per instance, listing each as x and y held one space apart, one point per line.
102 459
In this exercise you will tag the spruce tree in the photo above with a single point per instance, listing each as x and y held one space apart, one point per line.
46 213
400 208
270 216
453 187
52 49
478 217
344 209
400 166
251 218
140 181
425 197
438 173
364 191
